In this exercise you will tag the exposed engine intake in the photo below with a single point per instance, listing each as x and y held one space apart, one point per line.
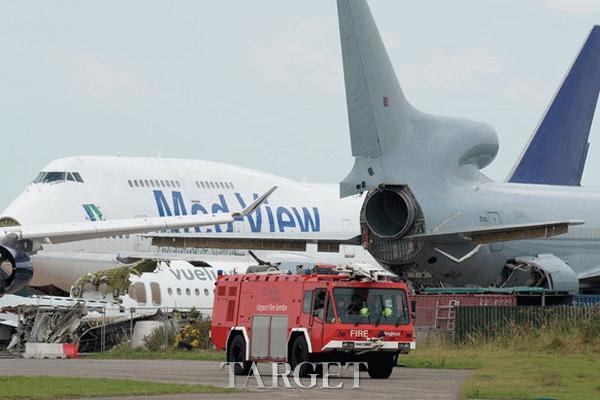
16 269
389 211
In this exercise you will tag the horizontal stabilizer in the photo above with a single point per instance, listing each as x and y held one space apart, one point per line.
557 150
498 233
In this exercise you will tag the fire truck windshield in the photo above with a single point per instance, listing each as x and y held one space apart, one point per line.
371 305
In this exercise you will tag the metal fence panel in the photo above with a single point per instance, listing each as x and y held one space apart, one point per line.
489 321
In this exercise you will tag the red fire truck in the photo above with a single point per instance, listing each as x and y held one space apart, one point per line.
345 315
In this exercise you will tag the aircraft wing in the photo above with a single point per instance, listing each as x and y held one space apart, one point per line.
282 241
326 242
68 232
498 233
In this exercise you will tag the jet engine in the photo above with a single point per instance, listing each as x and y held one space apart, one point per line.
390 213
16 269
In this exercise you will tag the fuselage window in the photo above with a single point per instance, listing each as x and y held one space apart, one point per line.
231 183
197 292
212 185
70 177
151 182
188 292
139 292
197 185
178 292
136 183
203 186
130 183
162 183
206 292
222 185
147 183
155 290
168 184
169 291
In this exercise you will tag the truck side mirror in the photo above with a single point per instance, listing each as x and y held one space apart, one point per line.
413 309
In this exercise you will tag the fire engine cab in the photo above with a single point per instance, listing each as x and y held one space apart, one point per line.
337 314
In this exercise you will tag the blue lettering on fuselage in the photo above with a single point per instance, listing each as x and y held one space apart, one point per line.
278 219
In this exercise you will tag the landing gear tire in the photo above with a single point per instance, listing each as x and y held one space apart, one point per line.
298 355
236 353
380 366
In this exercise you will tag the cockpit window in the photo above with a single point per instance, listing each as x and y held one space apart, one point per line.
77 177
56 176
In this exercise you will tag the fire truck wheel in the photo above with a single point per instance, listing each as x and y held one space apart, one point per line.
236 352
380 366
299 355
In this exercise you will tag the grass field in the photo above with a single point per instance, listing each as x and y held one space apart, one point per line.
560 362
43 387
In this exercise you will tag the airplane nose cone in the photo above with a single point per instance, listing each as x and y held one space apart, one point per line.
44 204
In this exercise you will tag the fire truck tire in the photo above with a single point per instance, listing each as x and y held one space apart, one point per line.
298 355
380 366
236 352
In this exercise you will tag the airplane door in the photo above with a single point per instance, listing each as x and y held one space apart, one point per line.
494 219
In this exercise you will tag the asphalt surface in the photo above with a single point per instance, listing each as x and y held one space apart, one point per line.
403 384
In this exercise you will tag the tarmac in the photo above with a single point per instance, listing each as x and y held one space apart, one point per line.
404 383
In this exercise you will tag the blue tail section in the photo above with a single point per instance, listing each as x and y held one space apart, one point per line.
558 149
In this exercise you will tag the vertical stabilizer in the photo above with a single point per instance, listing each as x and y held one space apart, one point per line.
557 150
392 142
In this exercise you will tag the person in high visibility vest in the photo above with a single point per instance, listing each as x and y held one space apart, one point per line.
364 311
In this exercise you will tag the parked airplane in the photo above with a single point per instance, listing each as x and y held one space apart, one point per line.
429 205
435 210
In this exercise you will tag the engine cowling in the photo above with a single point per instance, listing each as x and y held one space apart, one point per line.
16 269
390 212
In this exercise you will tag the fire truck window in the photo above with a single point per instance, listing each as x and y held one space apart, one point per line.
372 305
307 301
330 316
319 303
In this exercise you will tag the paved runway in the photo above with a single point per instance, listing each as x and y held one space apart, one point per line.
404 383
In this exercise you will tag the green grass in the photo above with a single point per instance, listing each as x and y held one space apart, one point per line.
561 362
45 387
140 354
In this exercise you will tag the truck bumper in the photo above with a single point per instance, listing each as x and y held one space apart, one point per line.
368 345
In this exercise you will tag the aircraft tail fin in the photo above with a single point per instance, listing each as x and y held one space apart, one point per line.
392 142
557 150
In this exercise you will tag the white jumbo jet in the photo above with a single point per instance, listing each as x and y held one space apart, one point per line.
90 191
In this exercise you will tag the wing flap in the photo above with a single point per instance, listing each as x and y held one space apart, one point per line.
292 241
499 233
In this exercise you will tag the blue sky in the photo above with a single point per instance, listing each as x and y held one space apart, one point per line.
259 84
